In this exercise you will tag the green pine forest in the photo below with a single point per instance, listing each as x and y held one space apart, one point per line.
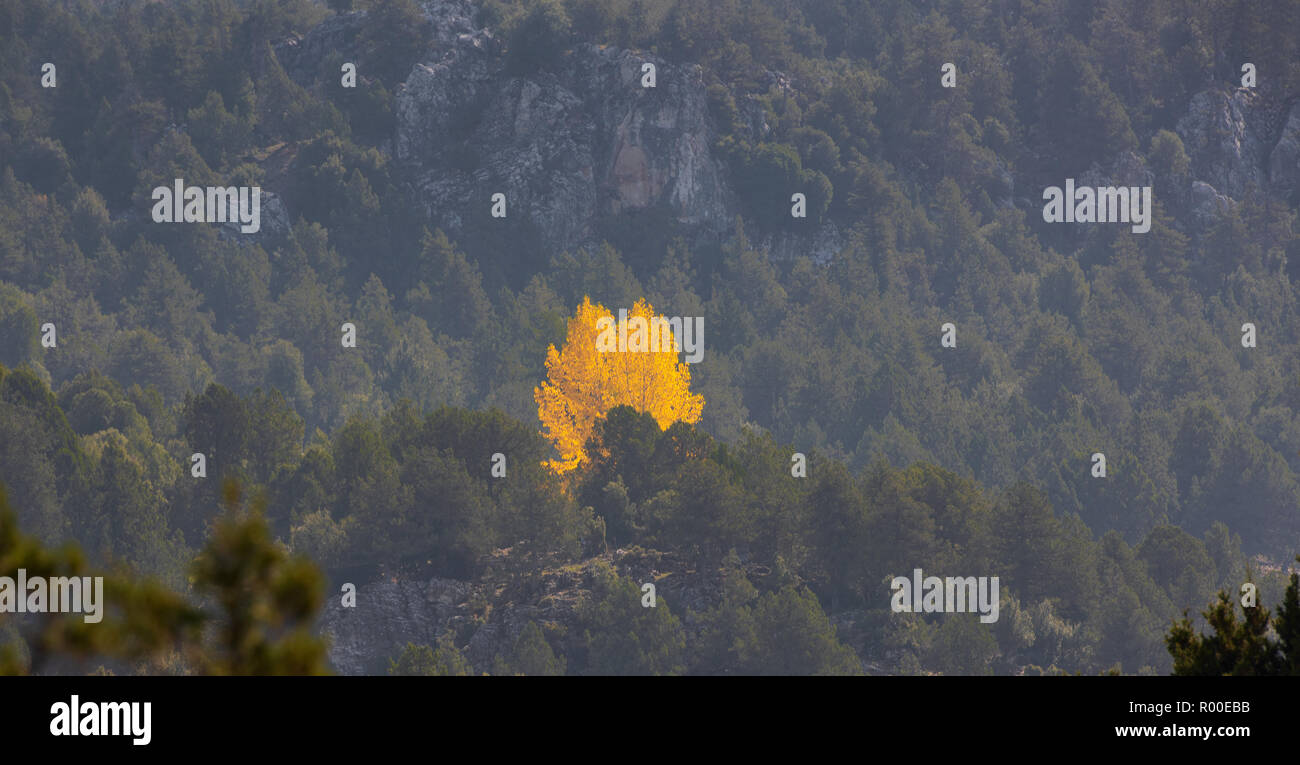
329 465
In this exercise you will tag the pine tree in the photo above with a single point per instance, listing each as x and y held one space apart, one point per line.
531 656
268 601
445 660
1240 648
1287 626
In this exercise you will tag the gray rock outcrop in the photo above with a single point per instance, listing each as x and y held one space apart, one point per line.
389 614
1284 160
302 57
565 146
1222 138
1238 139
486 616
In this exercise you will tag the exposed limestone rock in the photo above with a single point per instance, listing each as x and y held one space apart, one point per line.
1241 137
389 614
452 20
569 146
1207 204
1226 151
1284 160
821 246
303 57
486 617
1237 139
273 223
566 146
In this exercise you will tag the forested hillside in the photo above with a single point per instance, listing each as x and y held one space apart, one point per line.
823 335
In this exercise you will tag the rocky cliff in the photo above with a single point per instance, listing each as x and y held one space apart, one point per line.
487 615
1237 139
566 146
582 140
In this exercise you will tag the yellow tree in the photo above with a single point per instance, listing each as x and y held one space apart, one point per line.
595 372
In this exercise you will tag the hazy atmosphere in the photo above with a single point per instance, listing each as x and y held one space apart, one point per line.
649 337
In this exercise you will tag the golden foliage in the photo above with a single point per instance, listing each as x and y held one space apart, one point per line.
583 383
